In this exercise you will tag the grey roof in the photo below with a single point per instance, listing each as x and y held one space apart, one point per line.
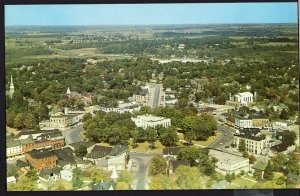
62 155
103 185
21 163
43 153
50 135
102 163
118 149
172 151
99 152
47 172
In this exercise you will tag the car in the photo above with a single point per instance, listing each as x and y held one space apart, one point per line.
221 143
225 133
226 146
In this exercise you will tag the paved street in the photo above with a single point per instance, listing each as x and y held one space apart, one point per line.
225 140
142 161
72 135
155 95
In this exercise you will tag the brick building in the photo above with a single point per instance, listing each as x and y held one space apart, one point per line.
41 159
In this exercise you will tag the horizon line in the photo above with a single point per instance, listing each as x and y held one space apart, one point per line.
36 25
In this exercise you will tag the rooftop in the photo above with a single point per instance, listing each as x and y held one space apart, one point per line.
172 151
151 118
40 154
225 157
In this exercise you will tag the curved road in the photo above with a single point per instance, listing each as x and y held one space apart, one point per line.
72 135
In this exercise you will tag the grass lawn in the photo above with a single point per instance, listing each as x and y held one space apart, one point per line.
209 140
242 183
143 147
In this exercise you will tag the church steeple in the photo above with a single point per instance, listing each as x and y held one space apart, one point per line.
11 88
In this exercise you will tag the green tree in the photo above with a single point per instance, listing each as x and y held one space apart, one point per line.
242 145
81 151
23 184
158 166
19 121
32 175
187 177
161 182
169 137
151 136
252 159
30 121
77 181
189 136
268 173
281 180
10 118
284 115
245 154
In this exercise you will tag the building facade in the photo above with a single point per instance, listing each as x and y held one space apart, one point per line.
41 159
146 121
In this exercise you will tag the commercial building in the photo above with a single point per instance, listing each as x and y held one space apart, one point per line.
228 163
255 142
41 159
146 121
240 99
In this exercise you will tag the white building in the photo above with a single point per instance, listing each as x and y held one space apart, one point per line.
146 121
229 163
243 123
13 148
66 175
255 142
244 98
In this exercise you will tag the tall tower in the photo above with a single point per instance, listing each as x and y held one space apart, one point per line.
11 88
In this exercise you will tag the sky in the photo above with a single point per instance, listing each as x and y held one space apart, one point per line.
147 14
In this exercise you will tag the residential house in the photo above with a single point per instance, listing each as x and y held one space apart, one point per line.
103 186
22 167
171 152
66 175
49 175
173 164
243 123
98 153
259 169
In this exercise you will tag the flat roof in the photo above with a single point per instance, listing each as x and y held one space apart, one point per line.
225 157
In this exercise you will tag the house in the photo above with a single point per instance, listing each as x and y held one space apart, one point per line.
11 180
66 175
109 185
98 153
41 159
171 152
173 164
88 145
229 163
49 175
259 169
117 159
66 160
27 144
22 167
146 121
293 179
